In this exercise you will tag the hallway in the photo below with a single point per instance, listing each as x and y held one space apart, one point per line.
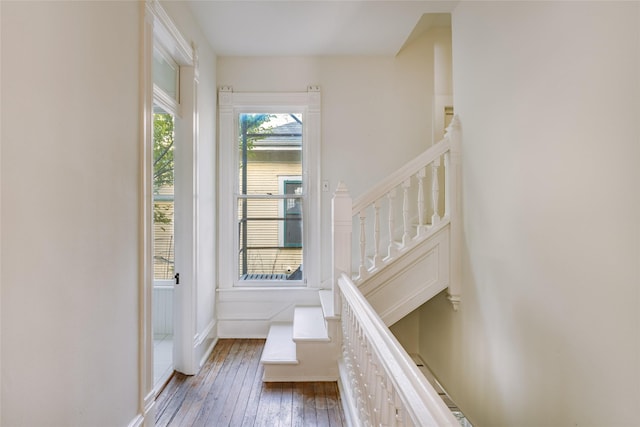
228 391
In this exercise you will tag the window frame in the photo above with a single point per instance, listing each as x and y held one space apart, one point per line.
230 105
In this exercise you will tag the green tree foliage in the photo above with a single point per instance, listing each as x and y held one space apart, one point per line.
253 126
163 163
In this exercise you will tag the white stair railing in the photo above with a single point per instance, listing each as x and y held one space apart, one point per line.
405 196
383 385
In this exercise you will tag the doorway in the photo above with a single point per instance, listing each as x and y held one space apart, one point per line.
164 273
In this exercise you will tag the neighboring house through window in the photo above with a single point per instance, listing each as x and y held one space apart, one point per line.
269 171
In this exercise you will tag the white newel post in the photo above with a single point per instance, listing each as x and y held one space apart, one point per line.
455 212
341 218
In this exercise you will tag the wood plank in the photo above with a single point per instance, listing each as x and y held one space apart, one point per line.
286 404
309 398
232 399
166 417
322 414
334 405
297 407
269 405
254 398
201 384
254 373
229 391
222 382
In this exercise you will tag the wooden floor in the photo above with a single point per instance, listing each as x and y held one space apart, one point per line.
228 391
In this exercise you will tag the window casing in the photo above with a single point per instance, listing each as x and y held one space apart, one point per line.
295 201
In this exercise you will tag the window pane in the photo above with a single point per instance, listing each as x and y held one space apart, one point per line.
263 246
270 145
270 197
163 241
165 74
293 215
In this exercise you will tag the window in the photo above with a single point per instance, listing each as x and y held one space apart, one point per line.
269 165
270 207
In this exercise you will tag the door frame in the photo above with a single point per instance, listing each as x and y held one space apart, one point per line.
159 30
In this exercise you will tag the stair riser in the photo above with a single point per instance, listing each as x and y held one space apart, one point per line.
318 361
304 371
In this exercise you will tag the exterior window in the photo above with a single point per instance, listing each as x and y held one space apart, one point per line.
270 206
269 188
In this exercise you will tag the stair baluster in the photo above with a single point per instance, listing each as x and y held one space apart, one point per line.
406 237
435 191
362 270
422 173
391 195
377 259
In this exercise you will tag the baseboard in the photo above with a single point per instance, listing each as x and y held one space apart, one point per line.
208 352
138 421
348 404
204 342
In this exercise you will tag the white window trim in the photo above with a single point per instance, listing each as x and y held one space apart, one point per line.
230 104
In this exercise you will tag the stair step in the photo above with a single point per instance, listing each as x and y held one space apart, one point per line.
279 348
309 324
326 301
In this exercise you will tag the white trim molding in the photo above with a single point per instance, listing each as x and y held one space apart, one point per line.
230 104
159 30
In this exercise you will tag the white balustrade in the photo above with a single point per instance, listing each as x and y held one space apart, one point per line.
413 226
386 387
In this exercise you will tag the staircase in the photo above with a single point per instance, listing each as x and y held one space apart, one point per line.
397 270
306 349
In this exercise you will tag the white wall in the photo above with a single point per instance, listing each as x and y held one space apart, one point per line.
70 203
548 329
376 111
206 175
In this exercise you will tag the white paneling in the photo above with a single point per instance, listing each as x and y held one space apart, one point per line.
412 280
162 310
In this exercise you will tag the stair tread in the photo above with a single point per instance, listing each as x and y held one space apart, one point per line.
326 300
279 347
309 324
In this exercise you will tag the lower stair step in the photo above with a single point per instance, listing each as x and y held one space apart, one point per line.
279 348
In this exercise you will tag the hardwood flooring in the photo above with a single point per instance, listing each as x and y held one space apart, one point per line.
228 391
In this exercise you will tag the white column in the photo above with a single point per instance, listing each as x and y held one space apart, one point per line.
455 213
341 218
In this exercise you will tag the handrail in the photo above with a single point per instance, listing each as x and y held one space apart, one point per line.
392 390
397 177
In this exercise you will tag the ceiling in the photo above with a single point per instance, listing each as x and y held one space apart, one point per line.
311 28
